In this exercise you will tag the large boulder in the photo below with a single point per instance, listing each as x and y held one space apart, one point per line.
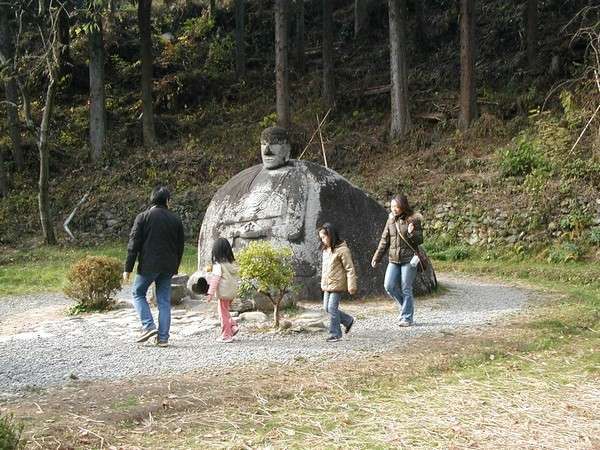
178 290
286 206
197 283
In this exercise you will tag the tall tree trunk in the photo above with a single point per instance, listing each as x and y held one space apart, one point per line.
532 23
64 37
10 87
212 8
468 95
144 11
240 44
276 308
328 74
12 96
110 20
361 17
26 104
42 7
97 97
400 120
420 38
43 184
3 183
281 63
300 60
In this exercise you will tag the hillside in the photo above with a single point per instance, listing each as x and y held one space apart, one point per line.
511 184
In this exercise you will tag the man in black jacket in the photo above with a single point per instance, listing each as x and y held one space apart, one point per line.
156 241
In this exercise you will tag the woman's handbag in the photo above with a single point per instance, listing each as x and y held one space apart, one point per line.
423 261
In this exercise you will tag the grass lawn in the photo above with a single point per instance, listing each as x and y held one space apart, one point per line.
44 269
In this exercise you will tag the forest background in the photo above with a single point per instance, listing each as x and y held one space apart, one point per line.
484 113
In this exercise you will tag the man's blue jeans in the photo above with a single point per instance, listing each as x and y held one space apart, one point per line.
162 282
398 283
331 303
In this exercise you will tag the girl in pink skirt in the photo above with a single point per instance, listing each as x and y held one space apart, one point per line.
224 284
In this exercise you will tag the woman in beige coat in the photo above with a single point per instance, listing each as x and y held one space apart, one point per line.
337 276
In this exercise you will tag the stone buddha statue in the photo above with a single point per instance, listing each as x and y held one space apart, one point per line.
284 201
270 200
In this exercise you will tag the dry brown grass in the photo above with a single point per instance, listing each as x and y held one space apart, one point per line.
442 393
531 383
526 407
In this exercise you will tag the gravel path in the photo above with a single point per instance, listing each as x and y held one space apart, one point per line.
40 350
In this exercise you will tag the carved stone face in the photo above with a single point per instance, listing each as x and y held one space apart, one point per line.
274 147
274 155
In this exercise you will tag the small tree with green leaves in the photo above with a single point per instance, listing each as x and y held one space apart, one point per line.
267 270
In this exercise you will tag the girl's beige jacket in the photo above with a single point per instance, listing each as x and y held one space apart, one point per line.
340 276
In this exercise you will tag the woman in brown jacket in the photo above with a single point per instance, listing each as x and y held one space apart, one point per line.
337 276
402 235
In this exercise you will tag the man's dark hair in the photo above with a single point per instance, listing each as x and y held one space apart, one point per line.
159 196
331 231
222 252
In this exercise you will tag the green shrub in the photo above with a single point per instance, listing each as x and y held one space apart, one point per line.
536 181
564 252
437 249
594 236
438 243
488 125
576 222
458 253
220 58
267 270
269 120
583 169
190 46
574 115
14 220
521 159
125 69
198 28
10 433
92 281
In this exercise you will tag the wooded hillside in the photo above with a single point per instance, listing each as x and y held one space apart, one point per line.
485 113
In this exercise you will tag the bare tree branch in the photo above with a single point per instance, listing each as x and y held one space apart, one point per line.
590 34
314 134
585 128
70 217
